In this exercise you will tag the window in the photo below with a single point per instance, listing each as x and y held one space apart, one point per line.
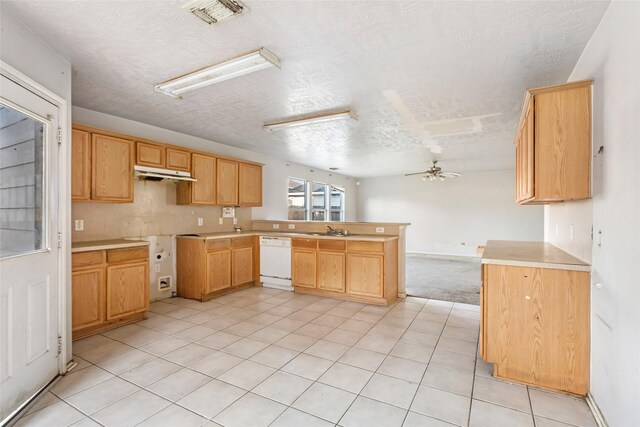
315 201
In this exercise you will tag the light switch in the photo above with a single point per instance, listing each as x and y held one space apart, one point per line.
292 226
79 225
276 226
235 221
379 229
200 221
220 221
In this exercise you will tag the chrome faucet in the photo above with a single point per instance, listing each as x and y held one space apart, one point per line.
331 230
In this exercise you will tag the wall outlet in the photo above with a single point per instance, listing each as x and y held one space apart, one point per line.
292 226
157 268
220 221
379 229
200 221
235 221
276 226
79 224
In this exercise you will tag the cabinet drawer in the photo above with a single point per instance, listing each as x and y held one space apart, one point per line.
332 245
359 246
242 242
86 259
127 255
218 244
304 243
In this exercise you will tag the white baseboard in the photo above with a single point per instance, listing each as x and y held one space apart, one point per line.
597 414
441 256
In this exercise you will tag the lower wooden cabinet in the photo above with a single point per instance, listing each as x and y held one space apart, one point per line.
109 288
208 268
303 268
331 271
365 274
534 325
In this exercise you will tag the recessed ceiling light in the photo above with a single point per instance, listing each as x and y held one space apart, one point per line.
333 169
214 11
303 121
245 64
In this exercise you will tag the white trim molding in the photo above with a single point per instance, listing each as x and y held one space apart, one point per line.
595 410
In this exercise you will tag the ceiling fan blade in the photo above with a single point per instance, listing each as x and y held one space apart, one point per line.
416 173
450 174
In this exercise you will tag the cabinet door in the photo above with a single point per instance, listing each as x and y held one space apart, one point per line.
227 182
148 154
528 154
127 289
88 298
111 169
303 266
365 274
203 192
331 272
242 265
80 165
250 185
218 271
178 160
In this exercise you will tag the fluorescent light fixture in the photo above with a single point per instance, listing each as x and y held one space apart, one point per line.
245 64
331 117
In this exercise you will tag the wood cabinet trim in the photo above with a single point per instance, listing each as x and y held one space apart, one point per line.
141 146
125 173
80 165
144 306
226 182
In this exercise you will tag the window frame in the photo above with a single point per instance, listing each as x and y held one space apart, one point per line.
308 211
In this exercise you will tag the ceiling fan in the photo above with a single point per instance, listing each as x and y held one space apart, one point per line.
435 172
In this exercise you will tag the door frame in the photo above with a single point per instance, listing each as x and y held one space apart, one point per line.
64 205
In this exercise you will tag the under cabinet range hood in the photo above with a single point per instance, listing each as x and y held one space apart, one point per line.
158 174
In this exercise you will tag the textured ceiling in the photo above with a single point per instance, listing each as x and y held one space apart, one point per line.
426 79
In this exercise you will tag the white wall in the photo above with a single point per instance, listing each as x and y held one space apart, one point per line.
275 173
612 58
24 51
451 217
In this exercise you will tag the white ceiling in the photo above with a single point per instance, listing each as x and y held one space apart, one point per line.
422 77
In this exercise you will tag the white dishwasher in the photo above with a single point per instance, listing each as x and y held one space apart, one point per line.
275 262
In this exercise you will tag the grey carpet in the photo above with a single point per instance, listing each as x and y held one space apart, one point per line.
456 280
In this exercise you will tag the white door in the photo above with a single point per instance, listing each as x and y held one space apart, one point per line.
29 303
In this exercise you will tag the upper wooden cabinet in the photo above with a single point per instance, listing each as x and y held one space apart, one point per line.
203 191
179 160
81 161
227 182
250 184
111 169
553 144
149 154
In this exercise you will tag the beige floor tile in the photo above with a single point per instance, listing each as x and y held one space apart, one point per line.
343 336
80 363
201 317
304 315
162 307
105 351
486 414
43 401
211 398
451 380
274 356
393 391
379 344
281 311
162 347
387 331
362 358
188 354
194 333
415 352
502 393
327 350
433 309
265 319
371 413
244 328
461 362
442 405
150 372
405 369
75 382
460 333
313 330
221 322
461 322
216 363
123 331
250 410
466 314
86 422
143 337
346 377
294 418
101 395
296 342
326 402
342 312
177 385
181 313
418 420
545 422
288 324
171 326
125 361
367 316
456 345
59 414
356 325
218 340
247 374
426 327
329 320
261 306
244 348
563 408
396 322
283 387
307 366
420 338
132 410
173 416
268 335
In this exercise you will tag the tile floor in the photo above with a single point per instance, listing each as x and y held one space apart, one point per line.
263 357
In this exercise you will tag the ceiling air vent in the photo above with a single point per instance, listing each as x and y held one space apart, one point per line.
212 11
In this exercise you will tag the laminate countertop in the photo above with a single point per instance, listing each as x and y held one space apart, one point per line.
99 245
531 254
232 234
